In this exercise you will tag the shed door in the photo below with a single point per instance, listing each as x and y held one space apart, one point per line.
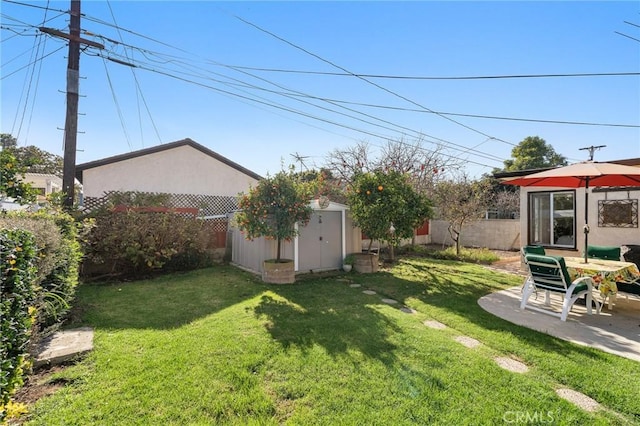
320 242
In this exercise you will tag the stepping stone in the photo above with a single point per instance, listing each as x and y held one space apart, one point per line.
467 341
407 310
390 301
355 285
579 399
64 346
371 292
435 324
511 365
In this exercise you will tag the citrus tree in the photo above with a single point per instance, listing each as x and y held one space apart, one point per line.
273 207
386 206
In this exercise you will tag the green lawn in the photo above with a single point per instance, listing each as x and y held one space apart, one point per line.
217 346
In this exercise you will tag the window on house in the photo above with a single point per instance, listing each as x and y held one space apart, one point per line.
552 218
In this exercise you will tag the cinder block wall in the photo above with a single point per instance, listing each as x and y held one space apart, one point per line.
496 234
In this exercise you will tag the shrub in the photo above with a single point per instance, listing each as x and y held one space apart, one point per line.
17 313
57 263
135 243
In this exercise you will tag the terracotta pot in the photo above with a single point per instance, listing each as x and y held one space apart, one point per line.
282 272
366 263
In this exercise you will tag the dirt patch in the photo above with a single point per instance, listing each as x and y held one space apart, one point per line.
39 384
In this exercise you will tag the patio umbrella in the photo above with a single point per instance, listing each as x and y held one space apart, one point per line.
583 175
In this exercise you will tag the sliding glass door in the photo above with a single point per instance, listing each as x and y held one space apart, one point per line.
552 218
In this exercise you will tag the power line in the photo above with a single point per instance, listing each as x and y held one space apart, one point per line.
302 113
462 148
138 89
406 77
361 78
492 117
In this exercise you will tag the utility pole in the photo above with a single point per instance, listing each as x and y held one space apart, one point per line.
591 150
73 90
71 121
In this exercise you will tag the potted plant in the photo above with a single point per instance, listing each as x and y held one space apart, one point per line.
271 210
347 262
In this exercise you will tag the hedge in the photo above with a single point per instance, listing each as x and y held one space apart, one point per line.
18 256
57 263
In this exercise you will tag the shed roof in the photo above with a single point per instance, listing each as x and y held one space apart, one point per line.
80 168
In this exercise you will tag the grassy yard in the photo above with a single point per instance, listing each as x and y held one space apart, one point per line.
217 346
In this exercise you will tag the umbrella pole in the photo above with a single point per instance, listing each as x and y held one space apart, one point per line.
586 219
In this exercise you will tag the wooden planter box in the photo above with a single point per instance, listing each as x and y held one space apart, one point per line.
365 263
282 272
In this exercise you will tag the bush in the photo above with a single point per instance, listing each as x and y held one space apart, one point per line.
57 263
17 312
136 243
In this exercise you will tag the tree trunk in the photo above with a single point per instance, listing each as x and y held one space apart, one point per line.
278 254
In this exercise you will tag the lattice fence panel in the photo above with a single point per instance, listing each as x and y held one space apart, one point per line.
208 205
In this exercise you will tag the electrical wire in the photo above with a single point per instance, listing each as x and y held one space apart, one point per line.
118 109
406 77
302 113
391 92
42 41
138 89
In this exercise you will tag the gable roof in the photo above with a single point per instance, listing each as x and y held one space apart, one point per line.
159 148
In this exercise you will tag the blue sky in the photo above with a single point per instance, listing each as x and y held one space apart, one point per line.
236 113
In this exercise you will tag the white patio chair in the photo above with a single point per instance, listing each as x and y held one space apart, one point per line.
549 274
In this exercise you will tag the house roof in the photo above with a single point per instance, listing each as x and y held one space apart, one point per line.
519 173
80 168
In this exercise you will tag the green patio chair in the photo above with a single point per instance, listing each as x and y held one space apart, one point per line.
603 252
525 250
533 250
549 274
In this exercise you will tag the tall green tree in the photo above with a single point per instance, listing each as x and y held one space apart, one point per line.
36 160
8 141
381 199
532 153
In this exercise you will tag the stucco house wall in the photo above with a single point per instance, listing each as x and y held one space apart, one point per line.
182 167
598 235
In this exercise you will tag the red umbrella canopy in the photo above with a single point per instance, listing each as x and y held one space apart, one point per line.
587 174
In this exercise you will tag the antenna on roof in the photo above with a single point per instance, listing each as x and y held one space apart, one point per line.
299 158
591 150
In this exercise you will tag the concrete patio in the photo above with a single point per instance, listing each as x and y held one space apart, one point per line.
616 331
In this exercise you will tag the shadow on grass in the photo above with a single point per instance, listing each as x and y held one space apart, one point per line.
166 302
456 287
303 317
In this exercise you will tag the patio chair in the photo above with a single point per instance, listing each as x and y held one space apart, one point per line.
525 250
549 273
630 253
603 252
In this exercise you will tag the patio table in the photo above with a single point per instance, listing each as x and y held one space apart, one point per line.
604 273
